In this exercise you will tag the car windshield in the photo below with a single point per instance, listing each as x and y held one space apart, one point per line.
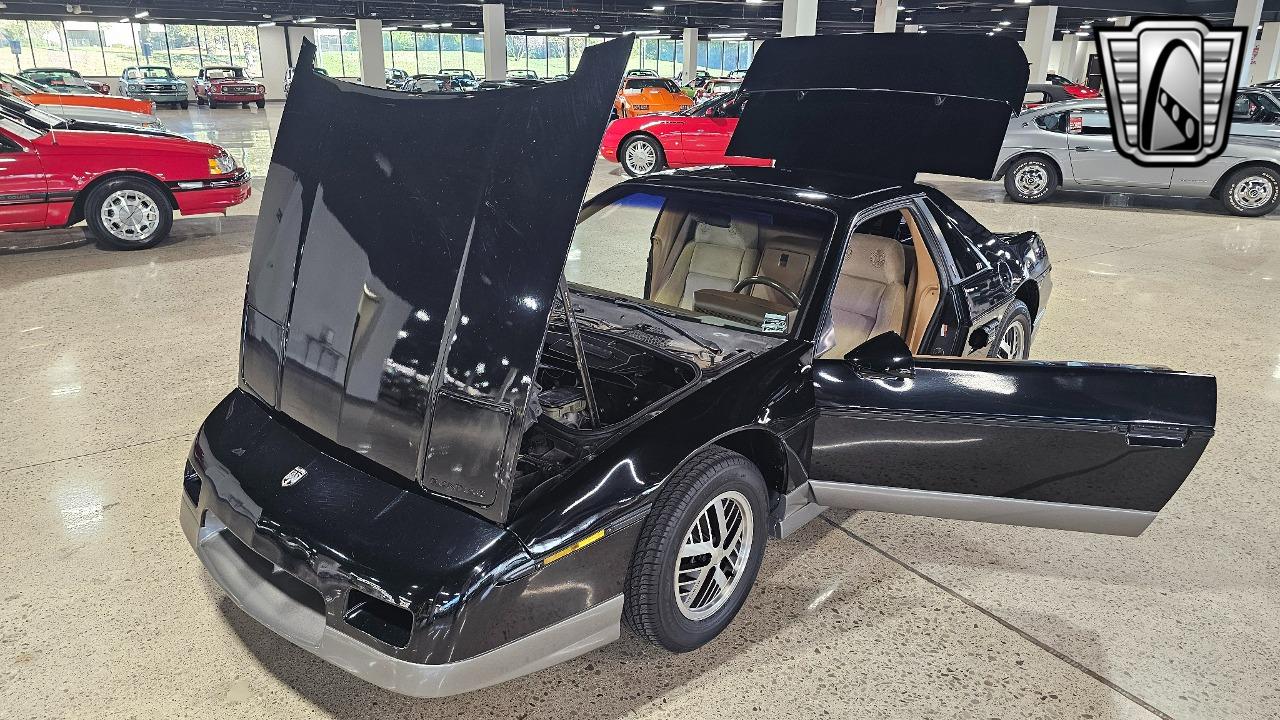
150 73
702 107
21 129
222 73
53 77
31 115
20 85
685 253
451 72
641 83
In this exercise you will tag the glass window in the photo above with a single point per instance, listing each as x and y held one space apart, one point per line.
85 47
215 49
1053 122
669 223
1088 122
704 54
450 50
576 46
677 62
117 47
329 51
401 53
960 231
11 31
517 53
184 49
537 54
153 47
428 53
350 53
557 63
47 44
244 48
473 53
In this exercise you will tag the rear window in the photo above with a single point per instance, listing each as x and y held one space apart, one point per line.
224 73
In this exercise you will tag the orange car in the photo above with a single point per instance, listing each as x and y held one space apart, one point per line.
37 94
648 95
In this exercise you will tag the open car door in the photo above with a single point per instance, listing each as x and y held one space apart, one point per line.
1066 445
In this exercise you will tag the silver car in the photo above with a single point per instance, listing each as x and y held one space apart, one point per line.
1069 145
156 83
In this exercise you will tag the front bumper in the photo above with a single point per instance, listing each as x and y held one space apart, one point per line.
159 97
214 195
274 605
235 97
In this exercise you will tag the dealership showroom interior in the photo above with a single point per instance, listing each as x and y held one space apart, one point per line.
640 359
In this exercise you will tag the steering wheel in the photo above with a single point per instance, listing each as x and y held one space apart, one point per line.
762 280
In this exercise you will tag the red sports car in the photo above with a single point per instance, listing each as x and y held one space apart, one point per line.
698 135
228 84
1084 92
125 185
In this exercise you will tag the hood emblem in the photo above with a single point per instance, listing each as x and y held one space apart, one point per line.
293 477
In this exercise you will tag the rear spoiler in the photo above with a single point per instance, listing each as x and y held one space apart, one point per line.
888 105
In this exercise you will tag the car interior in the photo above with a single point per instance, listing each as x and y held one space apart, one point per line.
754 268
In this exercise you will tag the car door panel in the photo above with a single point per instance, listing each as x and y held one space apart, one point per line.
1078 446
706 138
23 187
1094 161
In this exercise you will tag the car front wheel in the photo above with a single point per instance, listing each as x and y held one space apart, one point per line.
261 104
1251 191
185 104
128 213
698 552
1030 180
642 155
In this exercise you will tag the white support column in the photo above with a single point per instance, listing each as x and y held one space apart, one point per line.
886 16
690 68
1040 21
1248 15
1067 55
1085 51
799 17
495 41
1268 65
373 66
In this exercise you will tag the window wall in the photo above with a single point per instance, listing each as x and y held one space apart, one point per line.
418 52
720 57
107 48
663 56
338 51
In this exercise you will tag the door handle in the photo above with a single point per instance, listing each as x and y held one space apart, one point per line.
1156 436
1082 148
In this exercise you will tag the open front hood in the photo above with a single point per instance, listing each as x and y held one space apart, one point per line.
887 105
405 260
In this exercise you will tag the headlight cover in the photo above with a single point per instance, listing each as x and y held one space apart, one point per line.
222 164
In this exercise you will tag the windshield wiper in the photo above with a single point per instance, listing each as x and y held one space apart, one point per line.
702 342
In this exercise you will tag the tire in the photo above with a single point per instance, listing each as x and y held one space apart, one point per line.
651 607
1013 340
1031 179
658 159
261 104
200 100
213 104
184 104
244 106
129 234
1251 191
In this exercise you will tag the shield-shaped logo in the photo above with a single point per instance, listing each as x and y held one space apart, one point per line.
292 477
1169 84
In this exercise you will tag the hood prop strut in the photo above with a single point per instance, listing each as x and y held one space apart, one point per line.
572 320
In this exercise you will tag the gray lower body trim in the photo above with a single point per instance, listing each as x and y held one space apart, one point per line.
798 509
1009 511
308 629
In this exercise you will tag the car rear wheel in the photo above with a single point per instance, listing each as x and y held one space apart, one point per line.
184 104
1251 191
1013 341
213 104
261 104
200 100
1030 180
698 552
128 213
642 155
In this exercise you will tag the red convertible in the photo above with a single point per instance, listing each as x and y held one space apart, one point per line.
125 185
698 135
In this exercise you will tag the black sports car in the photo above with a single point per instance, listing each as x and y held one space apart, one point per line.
470 441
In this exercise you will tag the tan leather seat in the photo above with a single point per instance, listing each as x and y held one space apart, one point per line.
870 294
722 252
787 259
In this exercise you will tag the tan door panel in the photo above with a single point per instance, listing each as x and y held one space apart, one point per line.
927 287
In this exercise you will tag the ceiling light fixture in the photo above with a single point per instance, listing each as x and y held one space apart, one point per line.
645 32
1113 19
658 8
990 34
430 26
266 24
725 35
1005 23
1022 2
142 13
577 34
446 25
761 2
554 31
306 20
1082 34
997 29
123 20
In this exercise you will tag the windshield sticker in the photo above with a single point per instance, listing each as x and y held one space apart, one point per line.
774 323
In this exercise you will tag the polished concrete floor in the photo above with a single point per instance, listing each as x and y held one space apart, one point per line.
112 359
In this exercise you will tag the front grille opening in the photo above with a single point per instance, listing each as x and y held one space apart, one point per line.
379 619
191 484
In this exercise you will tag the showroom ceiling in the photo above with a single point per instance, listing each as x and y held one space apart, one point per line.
758 18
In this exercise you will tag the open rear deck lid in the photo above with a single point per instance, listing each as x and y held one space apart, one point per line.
881 104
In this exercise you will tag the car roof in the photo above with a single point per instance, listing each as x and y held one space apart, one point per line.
842 193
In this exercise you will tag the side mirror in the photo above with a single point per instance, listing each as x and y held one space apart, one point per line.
884 356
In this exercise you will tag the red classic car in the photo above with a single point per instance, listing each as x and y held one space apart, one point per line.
1076 90
228 84
125 185
694 136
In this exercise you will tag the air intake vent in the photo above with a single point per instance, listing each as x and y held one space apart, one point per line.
378 619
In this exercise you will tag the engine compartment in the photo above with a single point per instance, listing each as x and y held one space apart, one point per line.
627 377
